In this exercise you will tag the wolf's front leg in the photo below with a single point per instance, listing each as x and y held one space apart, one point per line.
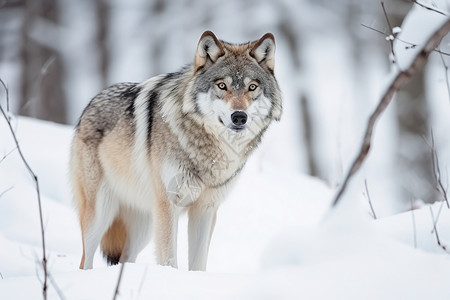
166 226
202 219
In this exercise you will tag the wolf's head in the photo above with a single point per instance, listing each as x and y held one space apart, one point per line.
234 85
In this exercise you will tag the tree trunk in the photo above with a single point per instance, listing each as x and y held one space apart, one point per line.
41 83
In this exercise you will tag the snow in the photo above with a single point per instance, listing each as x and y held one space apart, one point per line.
396 30
276 238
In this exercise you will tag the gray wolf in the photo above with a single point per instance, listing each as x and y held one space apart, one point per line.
145 152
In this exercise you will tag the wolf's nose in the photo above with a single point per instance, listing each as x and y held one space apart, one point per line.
239 118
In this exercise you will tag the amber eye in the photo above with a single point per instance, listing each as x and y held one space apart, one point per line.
222 86
252 87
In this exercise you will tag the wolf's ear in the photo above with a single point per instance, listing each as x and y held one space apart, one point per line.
264 51
209 49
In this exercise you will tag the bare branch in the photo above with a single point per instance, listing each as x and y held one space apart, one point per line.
446 73
441 52
429 8
36 182
373 29
410 45
438 240
391 36
438 215
437 169
398 82
116 293
7 154
414 223
437 173
370 201
141 285
56 287
386 17
7 96
37 88
5 191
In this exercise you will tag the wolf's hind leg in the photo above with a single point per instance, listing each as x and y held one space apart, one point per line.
106 208
138 226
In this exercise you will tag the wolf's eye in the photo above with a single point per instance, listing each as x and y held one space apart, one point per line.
252 87
222 86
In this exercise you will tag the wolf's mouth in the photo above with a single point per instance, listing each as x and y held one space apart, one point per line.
237 128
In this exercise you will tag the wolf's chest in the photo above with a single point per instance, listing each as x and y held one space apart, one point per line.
217 163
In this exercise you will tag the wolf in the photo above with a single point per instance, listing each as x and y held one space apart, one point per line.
143 153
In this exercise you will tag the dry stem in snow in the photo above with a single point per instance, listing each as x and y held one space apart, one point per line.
438 240
437 171
116 292
36 182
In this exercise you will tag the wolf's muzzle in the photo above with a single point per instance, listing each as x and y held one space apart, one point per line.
239 118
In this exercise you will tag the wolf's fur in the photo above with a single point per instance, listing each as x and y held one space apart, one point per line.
143 153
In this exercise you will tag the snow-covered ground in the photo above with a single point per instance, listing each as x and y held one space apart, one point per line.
276 238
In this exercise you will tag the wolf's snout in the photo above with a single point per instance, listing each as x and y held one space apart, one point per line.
239 118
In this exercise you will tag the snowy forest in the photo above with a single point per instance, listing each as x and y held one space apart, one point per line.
333 61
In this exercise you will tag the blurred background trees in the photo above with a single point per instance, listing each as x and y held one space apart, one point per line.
56 55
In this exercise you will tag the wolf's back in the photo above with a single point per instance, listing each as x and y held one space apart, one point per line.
105 110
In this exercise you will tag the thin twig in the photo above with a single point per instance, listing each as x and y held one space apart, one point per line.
56 287
398 82
447 82
37 88
373 29
414 223
35 178
370 201
37 271
437 170
7 154
391 36
7 97
438 215
5 191
116 293
141 285
386 17
440 186
438 240
47 64
441 52
410 45
429 8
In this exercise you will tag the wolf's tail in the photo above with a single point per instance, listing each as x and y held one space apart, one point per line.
113 242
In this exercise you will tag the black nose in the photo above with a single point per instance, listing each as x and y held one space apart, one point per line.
239 118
